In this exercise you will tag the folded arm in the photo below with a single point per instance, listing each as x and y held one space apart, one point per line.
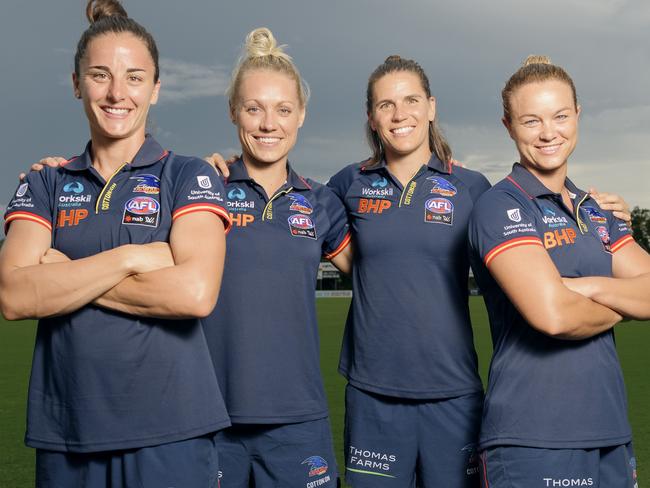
30 288
532 283
628 292
189 288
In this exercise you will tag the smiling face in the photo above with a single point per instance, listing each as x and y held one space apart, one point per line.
401 114
544 124
116 84
268 114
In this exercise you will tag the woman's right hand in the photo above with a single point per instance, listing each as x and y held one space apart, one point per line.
51 161
220 164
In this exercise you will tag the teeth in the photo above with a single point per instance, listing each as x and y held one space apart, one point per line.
402 130
549 149
116 111
268 140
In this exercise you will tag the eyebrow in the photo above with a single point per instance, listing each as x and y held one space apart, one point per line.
535 115
106 68
414 95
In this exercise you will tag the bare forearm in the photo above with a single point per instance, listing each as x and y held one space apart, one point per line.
175 292
579 317
629 297
44 290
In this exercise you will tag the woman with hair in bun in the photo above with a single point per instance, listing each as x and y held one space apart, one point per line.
102 251
263 335
558 272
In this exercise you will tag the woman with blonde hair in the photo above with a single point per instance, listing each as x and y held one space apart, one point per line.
558 272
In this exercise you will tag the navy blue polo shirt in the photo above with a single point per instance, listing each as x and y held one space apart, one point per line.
104 380
546 392
408 332
263 333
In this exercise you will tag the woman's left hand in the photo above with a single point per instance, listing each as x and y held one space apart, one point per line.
615 203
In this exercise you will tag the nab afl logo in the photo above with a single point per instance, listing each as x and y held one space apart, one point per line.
439 211
302 226
204 182
142 206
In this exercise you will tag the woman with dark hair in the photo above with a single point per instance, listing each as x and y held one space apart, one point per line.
558 272
102 251
413 400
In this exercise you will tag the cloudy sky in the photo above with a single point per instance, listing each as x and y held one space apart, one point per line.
468 48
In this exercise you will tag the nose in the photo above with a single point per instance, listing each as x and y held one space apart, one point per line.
116 90
268 121
399 113
548 131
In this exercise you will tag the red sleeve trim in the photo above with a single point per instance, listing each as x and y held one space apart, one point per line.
27 216
519 241
205 207
623 241
343 245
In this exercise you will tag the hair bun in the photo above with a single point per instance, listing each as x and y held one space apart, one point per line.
98 9
261 42
537 59
393 58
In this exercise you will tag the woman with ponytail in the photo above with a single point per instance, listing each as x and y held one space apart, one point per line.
558 271
102 251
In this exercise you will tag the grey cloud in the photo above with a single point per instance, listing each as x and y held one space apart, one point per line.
182 81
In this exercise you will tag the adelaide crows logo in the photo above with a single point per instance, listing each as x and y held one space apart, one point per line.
300 204
317 465
442 186
149 184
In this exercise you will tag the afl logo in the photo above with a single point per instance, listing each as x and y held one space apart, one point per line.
439 206
142 206
302 226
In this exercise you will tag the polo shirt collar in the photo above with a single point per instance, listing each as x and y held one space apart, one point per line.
149 153
434 163
238 172
534 188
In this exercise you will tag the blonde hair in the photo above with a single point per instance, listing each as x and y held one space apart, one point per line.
534 69
261 51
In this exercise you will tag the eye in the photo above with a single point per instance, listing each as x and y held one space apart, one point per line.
561 117
252 109
99 76
385 105
530 122
284 111
135 78
412 100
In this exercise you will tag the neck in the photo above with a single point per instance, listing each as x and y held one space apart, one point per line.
553 180
109 154
270 176
405 166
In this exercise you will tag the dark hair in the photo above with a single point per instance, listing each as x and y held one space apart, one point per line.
437 143
108 16
534 69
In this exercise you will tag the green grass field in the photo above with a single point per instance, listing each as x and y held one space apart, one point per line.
16 344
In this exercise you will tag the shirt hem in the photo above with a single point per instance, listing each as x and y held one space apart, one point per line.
555 444
291 419
124 444
414 394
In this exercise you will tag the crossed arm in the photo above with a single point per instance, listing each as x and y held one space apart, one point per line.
175 280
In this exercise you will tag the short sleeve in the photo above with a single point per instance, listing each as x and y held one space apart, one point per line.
31 201
198 188
338 234
500 222
619 233
341 181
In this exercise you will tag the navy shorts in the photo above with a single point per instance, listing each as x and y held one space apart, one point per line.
529 467
403 443
189 463
277 456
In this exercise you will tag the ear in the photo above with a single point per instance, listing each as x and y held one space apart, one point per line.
301 116
75 85
371 123
578 111
432 109
506 123
231 111
156 93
